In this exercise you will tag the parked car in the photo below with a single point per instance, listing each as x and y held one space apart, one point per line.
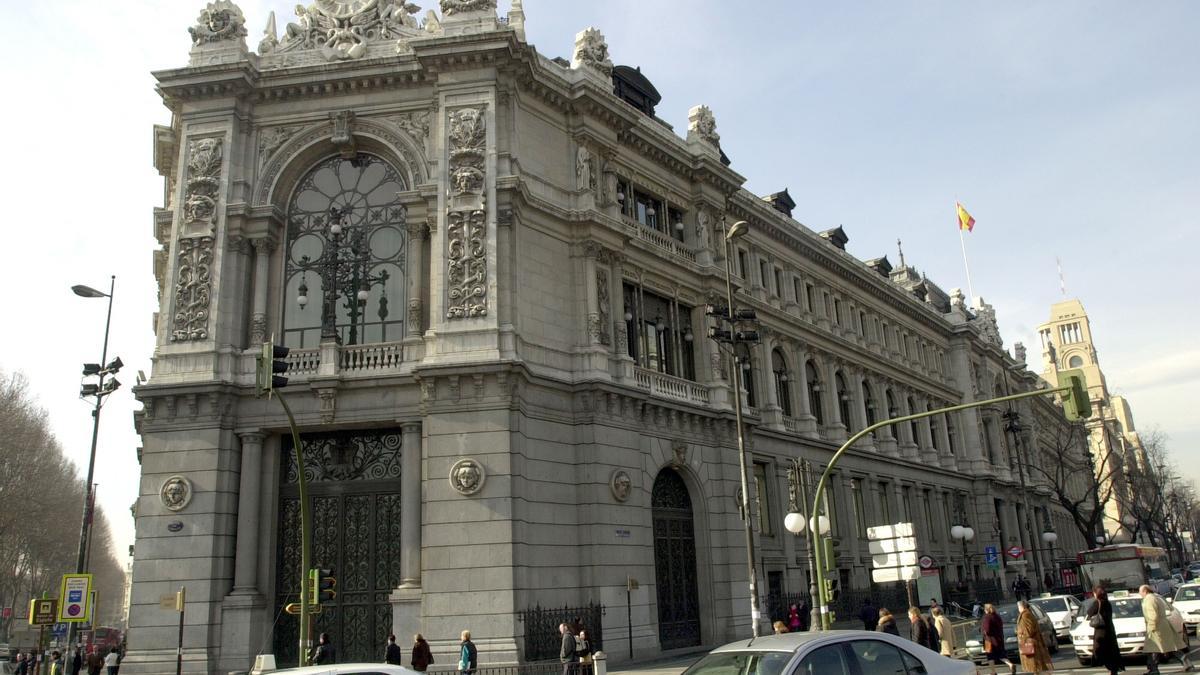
839 652
1062 610
1130 625
1008 613
1187 603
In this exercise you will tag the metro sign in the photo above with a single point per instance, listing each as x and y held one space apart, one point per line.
1015 552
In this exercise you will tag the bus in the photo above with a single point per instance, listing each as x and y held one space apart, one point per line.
1125 567
103 639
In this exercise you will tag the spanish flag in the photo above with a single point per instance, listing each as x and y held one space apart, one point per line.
965 221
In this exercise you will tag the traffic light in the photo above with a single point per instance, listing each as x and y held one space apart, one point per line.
321 585
266 377
1076 404
829 557
832 589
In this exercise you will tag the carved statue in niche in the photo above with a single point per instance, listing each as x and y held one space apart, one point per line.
583 169
219 21
703 227
602 305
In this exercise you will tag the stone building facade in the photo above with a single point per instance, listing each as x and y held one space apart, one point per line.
492 267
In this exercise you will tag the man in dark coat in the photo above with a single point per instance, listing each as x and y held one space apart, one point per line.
568 655
869 615
392 655
324 654
918 632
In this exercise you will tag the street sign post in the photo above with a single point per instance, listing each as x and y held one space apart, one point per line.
890 574
991 556
74 600
893 554
42 612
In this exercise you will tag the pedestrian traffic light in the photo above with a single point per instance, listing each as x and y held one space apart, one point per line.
829 557
1076 404
321 584
832 589
270 364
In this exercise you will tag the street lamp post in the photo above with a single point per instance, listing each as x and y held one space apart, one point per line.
795 522
99 392
733 337
964 533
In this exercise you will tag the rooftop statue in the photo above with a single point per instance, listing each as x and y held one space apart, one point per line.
219 21
343 29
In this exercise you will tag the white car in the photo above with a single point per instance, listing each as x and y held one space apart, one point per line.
1130 625
839 652
347 669
1062 610
1187 602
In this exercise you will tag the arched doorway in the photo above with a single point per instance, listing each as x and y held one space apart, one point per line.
675 562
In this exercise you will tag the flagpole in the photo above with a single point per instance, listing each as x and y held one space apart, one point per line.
970 289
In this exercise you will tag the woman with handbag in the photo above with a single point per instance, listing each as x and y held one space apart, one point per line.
994 650
1035 656
583 649
1105 650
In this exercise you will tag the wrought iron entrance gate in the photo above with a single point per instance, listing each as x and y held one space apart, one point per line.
675 562
354 485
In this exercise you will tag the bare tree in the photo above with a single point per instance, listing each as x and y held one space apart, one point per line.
1082 481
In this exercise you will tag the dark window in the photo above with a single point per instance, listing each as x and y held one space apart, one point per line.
843 399
829 660
782 391
648 210
675 222
814 392
764 275
744 264
657 339
912 424
746 366
869 402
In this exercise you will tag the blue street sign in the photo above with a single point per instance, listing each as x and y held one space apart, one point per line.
59 630
991 556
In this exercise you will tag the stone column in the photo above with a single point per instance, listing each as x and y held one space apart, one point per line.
836 425
929 454
416 260
245 570
885 438
406 600
808 422
859 405
262 270
908 443
972 460
948 460
772 414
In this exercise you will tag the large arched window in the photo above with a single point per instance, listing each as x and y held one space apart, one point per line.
814 392
869 402
746 366
843 400
346 258
912 424
782 392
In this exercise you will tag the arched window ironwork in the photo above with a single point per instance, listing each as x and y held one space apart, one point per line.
346 258
814 392
782 390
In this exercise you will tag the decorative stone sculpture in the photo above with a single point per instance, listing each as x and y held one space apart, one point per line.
621 485
583 169
466 223
603 304
989 330
591 51
175 493
343 29
679 451
702 125
1019 352
467 476
203 182
219 21
452 7
343 133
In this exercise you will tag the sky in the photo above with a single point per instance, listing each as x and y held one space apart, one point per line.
1068 129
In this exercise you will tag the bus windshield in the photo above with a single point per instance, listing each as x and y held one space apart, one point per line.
1114 575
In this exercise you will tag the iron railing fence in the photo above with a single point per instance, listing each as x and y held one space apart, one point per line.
542 639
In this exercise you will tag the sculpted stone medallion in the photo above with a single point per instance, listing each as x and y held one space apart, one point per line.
620 484
467 476
175 493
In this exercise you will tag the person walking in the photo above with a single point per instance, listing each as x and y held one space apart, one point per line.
918 630
421 655
567 654
468 656
22 665
583 648
1105 650
1161 638
95 662
935 640
324 654
945 631
887 623
392 654
76 660
1035 656
869 614
112 661
992 629
56 663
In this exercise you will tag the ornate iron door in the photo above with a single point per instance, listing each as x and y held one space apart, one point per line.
675 562
355 491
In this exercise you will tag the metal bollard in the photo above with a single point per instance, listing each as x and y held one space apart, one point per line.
600 663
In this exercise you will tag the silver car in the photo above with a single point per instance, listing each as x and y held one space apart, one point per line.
839 652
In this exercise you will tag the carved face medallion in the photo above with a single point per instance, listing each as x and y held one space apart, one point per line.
467 476
620 484
344 9
175 493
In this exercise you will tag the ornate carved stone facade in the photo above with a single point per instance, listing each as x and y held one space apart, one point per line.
466 227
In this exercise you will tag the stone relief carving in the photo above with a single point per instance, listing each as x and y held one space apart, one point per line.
679 452
467 476
703 227
415 124
175 493
591 51
622 346
192 289
1019 352
466 226
343 133
621 485
270 140
466 265
603 305
703 125
452 7
414 316
219 21
989 330
203 181
342 29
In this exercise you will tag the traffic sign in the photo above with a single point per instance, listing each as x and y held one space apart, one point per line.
890 574
59 630
991 556
925 562
75 605
1015 552
882 546
42 612
890 531
902 559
